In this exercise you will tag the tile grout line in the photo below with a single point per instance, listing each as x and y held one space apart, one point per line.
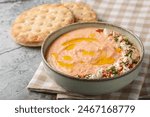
13 1
10 50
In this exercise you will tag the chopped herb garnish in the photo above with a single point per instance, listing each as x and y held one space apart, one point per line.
120 47
116 38
135 61
132 47
113 70
129 53
125 63
127 41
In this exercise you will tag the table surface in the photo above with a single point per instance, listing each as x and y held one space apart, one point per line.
17 63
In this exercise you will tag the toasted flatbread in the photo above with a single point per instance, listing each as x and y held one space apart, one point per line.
32 26
81 11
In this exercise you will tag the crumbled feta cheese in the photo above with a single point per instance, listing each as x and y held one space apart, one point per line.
124 63
106 32
120 38
93 76
99 73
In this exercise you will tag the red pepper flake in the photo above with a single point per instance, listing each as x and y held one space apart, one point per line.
99 30
104 75
120 69
110 34
109 74
130 66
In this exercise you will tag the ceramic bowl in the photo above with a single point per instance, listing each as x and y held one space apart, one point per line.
96 86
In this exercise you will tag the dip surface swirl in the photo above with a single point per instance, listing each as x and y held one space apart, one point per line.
92 53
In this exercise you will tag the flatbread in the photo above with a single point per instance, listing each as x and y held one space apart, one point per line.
81 11
32 26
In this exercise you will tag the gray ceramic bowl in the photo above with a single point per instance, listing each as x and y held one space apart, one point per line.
97 86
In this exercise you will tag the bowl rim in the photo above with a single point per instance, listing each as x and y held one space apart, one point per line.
100 79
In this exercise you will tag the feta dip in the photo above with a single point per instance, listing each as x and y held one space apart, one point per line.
92 53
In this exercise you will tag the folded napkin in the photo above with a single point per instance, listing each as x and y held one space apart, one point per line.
41 82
